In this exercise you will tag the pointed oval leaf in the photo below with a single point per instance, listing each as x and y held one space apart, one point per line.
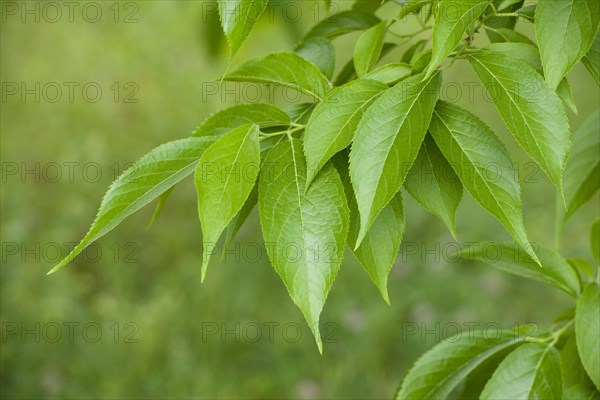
285 69
390 74
441 369
342 23
506 257
238 17
483 165
380 247
532 371
582 176
433 183
530 54
387 142
451 21
587 331
565 31
225 176
368 48
304 233
320 52
147 179
332 125
530 109
223 121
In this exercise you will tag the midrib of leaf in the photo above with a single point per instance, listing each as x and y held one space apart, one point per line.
537 368
365 105
237 155
460 20
545 166
303 229
475 361
283 82
94 233
478 173
131 205
446 41
403 119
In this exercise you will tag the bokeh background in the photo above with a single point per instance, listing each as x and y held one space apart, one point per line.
130 319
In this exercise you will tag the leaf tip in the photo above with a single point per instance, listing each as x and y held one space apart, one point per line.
203 271
385 295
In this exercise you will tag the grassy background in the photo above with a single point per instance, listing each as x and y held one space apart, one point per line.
145 284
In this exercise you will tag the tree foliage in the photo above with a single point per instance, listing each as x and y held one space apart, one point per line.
329 173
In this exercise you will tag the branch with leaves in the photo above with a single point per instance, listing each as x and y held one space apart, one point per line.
329 173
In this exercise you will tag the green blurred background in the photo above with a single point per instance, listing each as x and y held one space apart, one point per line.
142 325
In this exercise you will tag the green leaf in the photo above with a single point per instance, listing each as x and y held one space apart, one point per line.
390 74
162 199
387 141
433 183
332 125
421 60
565 30
380 247
581 392
565 93
529 54
474 383
320 52
238 17
225 176
592 59
483 165
139 185
348 73
212 32
343 23
408 56
595 241
504 4
451 21
530 109
583 267
511 36
573 372
532 371
300 112
285 69
239 219
263 115
368 48
304 233
527 12
499 23
587 331
442 368
509 258
582 176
